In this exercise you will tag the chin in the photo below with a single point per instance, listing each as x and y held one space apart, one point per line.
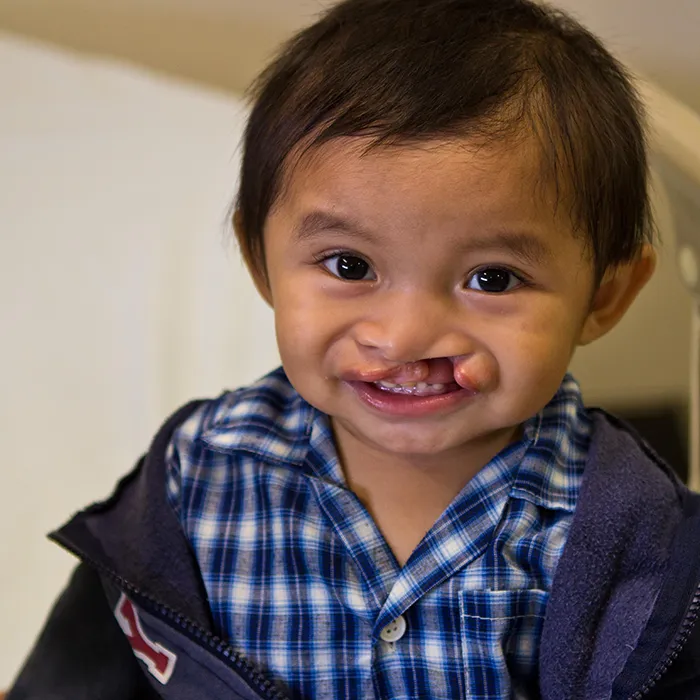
410 440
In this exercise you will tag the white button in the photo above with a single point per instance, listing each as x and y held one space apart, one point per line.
394 630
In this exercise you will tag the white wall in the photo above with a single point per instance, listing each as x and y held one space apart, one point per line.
118 298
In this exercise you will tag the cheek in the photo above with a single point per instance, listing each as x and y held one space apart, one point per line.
298 346
303 322
294 329
536 350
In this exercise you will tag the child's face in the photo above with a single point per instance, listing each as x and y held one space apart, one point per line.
437 263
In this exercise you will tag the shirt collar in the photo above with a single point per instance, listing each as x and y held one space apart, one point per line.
273 423
557 438
268 420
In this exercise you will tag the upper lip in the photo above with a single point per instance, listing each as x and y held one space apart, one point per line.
381 374
370 375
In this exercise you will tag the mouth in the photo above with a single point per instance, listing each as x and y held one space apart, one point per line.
415 389
410 399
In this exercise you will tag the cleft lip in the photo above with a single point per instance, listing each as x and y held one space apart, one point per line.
398 374
463 376
438 370
369 376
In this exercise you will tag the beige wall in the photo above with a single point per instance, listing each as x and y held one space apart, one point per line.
657 37
224 42
223 52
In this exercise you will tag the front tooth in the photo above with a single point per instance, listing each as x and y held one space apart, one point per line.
387 385
438 387
421 386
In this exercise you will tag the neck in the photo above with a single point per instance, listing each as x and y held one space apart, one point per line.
406 493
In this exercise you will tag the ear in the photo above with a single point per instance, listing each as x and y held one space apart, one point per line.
257 273
617 291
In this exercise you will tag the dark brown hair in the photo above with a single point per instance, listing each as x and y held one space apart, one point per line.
410 70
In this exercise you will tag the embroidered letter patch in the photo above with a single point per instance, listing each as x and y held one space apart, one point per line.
159 661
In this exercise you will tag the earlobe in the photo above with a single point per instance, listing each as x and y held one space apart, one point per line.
257 274
616 292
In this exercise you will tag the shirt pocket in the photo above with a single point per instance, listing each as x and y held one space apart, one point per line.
500 633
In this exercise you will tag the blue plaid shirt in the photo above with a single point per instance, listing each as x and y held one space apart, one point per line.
301 581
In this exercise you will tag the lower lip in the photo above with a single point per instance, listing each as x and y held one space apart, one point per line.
406 404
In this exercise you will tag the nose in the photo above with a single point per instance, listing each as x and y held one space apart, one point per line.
409 326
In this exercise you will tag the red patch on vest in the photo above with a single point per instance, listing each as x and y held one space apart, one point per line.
159 660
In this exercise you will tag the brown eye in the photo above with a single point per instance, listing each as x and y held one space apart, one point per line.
494 280
349 267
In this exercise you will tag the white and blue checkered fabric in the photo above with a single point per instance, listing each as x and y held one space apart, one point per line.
301 581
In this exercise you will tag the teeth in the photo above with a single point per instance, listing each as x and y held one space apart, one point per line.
411 388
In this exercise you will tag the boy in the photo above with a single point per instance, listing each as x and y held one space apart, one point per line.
440 199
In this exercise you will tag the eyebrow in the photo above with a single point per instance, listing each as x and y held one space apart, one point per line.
316 222
522 244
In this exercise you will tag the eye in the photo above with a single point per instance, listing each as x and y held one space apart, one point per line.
494 280
350 267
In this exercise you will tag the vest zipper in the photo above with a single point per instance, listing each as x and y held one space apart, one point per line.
265 687
221 649
679 642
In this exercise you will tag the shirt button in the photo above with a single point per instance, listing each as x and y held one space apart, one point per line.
394 630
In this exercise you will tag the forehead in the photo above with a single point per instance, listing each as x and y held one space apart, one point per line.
431 182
